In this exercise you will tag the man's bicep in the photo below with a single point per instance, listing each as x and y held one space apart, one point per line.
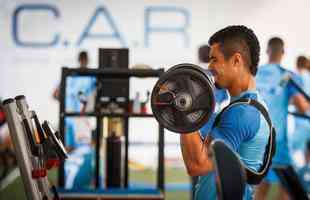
195 154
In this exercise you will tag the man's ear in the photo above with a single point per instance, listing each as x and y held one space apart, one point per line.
237 60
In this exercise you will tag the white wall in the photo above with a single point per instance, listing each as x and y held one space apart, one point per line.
35 71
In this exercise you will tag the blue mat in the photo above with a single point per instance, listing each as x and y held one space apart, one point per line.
118 191
134 188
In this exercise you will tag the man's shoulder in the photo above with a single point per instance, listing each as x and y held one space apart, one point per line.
276 68
243 114
261 100
253 95
237 124
270 69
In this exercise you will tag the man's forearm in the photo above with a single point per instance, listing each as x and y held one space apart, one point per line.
195 154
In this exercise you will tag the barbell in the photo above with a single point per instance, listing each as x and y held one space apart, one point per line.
183 99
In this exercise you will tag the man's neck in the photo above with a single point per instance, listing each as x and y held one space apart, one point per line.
275 60
244 83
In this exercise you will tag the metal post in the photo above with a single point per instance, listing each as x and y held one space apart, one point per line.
161 159
126 160
21 148
62 123
97 156
22 105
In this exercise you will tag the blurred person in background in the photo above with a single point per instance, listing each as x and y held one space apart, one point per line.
5 140
7 155
304 172
80 91
301 132
278 92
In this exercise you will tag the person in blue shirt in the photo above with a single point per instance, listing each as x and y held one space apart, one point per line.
78 88
272 84
301 132
79 167
234 57
304 172
78 91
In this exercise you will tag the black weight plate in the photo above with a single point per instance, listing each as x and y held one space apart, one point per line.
190 66
193 83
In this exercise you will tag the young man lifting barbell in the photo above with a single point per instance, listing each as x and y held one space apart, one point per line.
234 58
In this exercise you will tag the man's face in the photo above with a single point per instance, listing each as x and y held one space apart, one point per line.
224 71
83 62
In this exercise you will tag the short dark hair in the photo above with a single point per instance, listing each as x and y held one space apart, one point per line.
241 39
302 62
275 45
83 55
203 53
